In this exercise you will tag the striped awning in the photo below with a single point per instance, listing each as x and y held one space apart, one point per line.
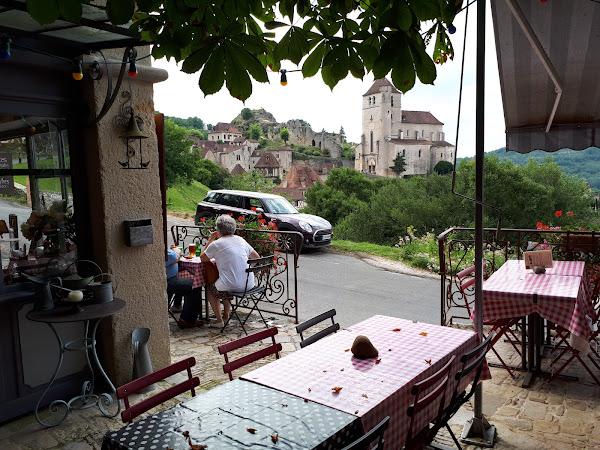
549 64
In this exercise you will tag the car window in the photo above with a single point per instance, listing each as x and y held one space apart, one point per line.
229 200
212 197
279 206
255 203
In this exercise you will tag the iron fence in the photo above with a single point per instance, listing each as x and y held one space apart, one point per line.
456 252
282 294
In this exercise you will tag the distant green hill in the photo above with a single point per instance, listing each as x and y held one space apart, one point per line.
584 163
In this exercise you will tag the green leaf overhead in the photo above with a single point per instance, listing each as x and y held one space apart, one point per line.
229 41
44 11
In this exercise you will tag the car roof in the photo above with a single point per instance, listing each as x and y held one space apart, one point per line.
245 193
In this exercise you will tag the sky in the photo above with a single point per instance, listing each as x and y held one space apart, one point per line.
311 100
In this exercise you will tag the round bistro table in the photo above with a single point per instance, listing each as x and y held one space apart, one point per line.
90 315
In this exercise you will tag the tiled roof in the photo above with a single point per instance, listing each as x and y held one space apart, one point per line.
227 148
267 160
239 139
419 117
296 193
442 144
375 88
221 126
301 176
238 170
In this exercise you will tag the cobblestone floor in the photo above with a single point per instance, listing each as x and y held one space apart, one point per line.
557 415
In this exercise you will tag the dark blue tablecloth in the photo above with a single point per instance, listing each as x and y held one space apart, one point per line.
220 418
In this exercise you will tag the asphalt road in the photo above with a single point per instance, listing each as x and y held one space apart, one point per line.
358 290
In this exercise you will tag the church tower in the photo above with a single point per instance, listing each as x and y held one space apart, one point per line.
381 118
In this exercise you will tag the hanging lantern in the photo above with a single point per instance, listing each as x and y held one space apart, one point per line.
283 80
77 70
132 67
133 143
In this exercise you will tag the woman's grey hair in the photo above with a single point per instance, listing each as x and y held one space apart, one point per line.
225 225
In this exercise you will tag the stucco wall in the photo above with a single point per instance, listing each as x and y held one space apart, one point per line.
116 195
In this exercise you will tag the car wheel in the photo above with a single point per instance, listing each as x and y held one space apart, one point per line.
286 242
205 215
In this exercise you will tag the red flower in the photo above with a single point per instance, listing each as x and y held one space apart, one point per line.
558 213
241 218
570 213
262 220
539 225
202 219
253 208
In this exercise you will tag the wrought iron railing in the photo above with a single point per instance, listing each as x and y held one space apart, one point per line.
456 252
282 295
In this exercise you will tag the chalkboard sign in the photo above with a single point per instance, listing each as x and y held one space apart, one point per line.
7 184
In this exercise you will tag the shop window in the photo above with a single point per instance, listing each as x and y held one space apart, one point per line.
35 175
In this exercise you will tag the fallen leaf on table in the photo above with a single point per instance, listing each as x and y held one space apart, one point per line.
341 370
356 412
251 430
309 389
365 396
397 329
336 389
423 333
284 405
347 350
428 361
389 350
324 371
275 438
378 360
186 433
305 400
197 446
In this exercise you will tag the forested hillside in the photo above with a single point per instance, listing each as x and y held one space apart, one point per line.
584 163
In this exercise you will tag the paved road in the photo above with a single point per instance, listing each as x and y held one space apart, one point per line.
358 290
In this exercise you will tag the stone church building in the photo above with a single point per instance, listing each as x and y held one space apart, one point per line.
388 131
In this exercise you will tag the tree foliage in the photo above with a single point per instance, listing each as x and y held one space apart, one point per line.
284 134
247 114
191 122
255 131
211 174
443 168
399 165
348 151
180 162
381 210
226 41
250 181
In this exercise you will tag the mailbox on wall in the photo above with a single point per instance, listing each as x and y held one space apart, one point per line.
138 232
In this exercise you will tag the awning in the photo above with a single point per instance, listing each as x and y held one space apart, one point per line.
549 64
93 32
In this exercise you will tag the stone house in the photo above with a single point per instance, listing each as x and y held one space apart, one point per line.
224 132
388 131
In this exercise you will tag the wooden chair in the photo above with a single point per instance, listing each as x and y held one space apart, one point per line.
321 334
471 361
426 392
123 392
261 268
273 348
500 327
375 433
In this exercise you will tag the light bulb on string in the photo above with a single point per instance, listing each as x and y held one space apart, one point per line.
283 80
451 29
132 67
77 70
5 48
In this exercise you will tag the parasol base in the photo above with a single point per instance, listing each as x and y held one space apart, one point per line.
478 431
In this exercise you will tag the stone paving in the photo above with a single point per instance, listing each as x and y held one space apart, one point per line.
557 415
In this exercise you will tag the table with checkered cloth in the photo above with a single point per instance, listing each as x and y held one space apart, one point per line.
377 387
563 295
194 270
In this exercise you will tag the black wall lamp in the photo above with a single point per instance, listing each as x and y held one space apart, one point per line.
132 136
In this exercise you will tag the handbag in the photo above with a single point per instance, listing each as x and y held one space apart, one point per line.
211 271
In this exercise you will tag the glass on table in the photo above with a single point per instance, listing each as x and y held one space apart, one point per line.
192 249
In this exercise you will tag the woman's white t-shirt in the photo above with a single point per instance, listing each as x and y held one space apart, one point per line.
231 257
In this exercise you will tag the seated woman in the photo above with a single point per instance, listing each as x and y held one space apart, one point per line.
231 254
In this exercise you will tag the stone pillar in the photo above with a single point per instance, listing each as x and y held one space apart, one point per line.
116 195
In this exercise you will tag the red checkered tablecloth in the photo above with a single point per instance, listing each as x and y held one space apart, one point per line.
371 390
194 270
563 295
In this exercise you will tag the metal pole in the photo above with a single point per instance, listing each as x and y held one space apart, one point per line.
477 430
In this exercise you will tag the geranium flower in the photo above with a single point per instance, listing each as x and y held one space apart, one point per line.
539 225
570 213
558 213
241 218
